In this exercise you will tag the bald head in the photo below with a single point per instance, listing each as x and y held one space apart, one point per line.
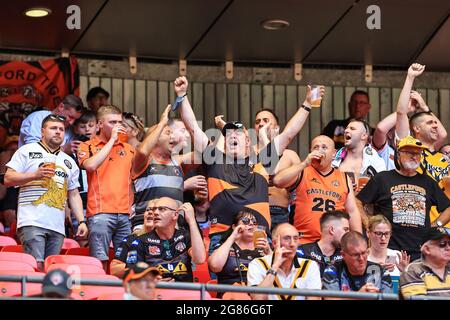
282 229
323 139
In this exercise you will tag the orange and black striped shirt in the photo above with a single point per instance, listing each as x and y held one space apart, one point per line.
234 185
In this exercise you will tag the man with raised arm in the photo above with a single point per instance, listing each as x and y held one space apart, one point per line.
237 178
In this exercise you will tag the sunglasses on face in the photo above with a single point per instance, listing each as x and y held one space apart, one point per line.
442 244
246 221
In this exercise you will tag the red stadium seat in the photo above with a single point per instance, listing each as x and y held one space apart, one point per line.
201 273
77 251
19 257
7 241
72 259
13 289
69 244
2 228
212 293
74 268
175 294
88 292
15 266
13 248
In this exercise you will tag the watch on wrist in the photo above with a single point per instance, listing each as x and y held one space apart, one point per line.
439 224
271 271
82 221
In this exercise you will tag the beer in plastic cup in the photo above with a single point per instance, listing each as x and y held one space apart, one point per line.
362 181
316 99
260 232
50 162
123 137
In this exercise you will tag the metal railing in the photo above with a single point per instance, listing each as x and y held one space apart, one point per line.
202 288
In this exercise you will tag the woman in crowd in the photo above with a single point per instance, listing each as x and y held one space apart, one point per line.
230 260
135 128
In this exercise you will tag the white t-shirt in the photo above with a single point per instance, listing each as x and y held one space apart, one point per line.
41 202
309 278
390 253
370 159
387 154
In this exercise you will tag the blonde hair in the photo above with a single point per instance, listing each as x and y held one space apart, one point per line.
376 220
108 109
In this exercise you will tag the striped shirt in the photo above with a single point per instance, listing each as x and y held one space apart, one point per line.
419 279
156 180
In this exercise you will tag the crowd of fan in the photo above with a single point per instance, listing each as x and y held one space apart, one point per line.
367 210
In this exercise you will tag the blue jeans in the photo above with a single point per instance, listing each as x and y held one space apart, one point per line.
40 242
104 228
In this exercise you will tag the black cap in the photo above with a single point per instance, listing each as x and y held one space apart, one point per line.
94 91
57 281
434 234
236 125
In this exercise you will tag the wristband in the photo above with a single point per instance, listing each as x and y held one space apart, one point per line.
271 271
178 102
306 108
82 221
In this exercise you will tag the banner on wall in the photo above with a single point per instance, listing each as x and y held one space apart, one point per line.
26 86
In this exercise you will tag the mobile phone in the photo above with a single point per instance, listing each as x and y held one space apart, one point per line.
391 259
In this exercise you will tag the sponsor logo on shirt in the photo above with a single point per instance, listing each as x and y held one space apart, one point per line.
180 246
149 240
35 155
132 257
118 252
315 180
154 250
180 237
67 163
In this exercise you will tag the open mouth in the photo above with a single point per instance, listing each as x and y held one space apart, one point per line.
347 136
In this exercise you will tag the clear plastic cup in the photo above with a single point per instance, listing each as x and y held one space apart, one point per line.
316 99
50 162
260 232
123 137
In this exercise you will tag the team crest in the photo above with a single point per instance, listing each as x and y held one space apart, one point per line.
121 152
67 163
335 183
180 246
154 250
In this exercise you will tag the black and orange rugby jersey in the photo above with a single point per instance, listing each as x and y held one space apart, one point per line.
238 184
317 193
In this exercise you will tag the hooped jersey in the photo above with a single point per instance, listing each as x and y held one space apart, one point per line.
316 194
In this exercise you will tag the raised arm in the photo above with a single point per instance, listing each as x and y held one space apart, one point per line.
197 245
287 177
380 135
188 116
144 150
402 123
220 256
296 123
352 209
422 106
91 164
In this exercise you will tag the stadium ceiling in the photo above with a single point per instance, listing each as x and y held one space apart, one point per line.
320 32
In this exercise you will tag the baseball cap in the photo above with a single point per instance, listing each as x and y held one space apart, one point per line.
434 233
232 125
409 141
57 281
138 271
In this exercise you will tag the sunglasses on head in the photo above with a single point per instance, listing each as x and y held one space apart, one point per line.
129 116
247 220
57 117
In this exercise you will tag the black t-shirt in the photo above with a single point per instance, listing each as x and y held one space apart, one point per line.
312 251
406 202
237 257
171 257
